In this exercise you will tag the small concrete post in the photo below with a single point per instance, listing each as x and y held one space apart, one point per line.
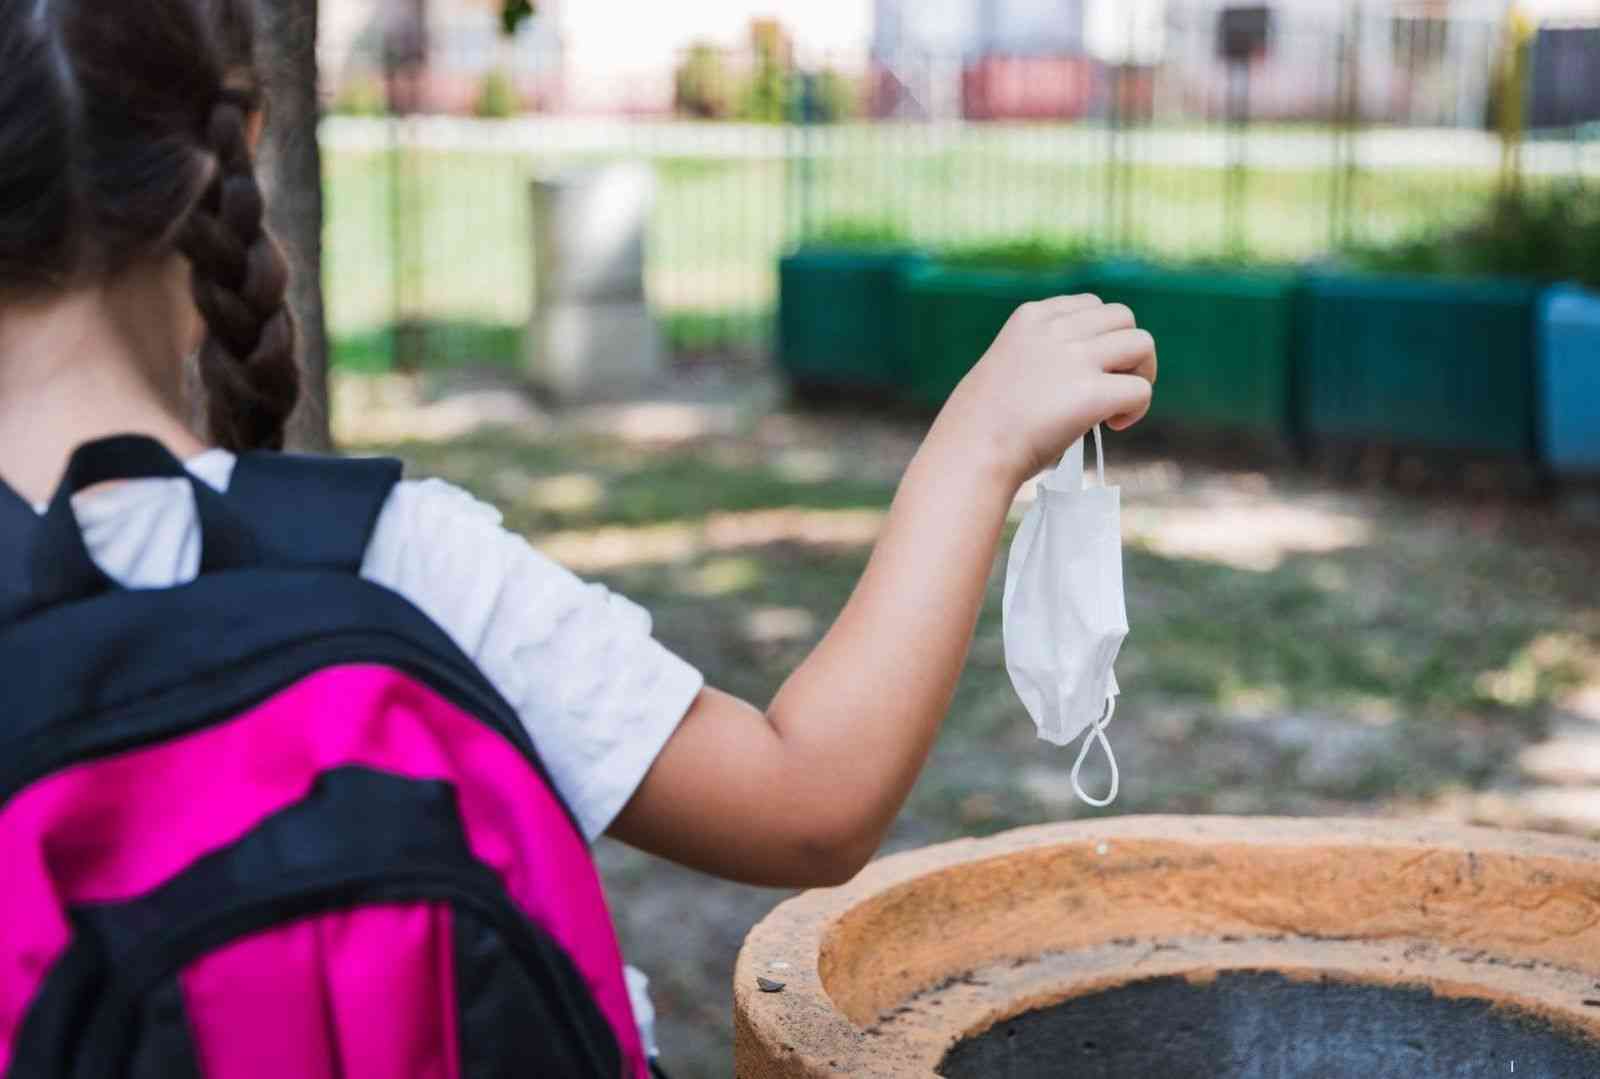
592 335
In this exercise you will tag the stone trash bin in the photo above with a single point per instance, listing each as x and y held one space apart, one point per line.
592 335
1148 948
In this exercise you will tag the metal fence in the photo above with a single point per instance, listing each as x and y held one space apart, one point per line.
1344 129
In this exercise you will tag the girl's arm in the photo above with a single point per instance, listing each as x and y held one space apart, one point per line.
803 794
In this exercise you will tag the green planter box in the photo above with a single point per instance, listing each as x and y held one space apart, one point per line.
949 317
836 326
1225 341
1435 363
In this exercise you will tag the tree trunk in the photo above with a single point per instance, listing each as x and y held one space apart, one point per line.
291 162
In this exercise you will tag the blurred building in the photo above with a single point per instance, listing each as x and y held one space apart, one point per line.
981 59
1420 62
972 29
612 56
622 55
455 45
1407 61
1401 61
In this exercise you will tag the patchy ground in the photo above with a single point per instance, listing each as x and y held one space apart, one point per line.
1296 649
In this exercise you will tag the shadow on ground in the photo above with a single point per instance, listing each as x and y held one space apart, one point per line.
1295 649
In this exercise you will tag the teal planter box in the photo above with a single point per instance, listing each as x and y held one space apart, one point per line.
1433 363
949 317
836 318
1569 380
1225 343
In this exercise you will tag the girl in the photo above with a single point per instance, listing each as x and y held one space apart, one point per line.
138 289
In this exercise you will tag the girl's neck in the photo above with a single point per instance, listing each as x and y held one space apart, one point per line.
92 362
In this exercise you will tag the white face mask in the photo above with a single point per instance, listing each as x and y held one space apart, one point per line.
1064 615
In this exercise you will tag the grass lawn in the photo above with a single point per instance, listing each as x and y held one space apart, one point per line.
720 225
1295 649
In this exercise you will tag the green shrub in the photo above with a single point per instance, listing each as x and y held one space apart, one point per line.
513 13
703 87
858 234
771 93
1546 236
767 96
831 97
1031 256
362 95
498 100
765 99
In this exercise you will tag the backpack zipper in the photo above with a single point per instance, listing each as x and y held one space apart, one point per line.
536 951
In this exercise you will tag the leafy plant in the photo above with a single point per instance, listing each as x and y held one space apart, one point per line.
498 99
766 97
513 13
859 234
1551 235
704 88
1033 256
362 95
830 97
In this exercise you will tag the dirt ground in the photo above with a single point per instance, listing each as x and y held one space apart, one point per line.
1298 646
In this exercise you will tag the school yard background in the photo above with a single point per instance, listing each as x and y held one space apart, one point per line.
1302 642
1378 636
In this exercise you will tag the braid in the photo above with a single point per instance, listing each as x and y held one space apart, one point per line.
248 367
126 135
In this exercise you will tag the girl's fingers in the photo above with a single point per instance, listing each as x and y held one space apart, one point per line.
1063 306
1130 352
1093 322
1129 401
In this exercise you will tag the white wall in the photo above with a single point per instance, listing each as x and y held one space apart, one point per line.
638 34
1126 31
1577 10
621 54
341 22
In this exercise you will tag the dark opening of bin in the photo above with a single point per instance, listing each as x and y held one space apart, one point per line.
1250 1025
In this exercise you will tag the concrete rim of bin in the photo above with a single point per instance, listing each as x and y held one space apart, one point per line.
927 949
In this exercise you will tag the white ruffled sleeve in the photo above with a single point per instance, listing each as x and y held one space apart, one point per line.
597 693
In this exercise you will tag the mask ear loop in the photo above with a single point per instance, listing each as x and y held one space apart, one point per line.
1098 734
1099 456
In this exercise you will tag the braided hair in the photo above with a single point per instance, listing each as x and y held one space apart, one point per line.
124 136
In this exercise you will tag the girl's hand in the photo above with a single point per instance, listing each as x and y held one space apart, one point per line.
850 730
1059 367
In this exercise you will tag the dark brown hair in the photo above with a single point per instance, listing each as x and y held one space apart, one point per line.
124 135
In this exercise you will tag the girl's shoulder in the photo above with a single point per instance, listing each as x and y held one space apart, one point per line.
579 663
429 534
431 530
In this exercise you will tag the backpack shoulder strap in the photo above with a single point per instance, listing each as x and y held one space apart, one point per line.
312 512
19 529
45 561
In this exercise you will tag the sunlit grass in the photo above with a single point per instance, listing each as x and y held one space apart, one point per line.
463 259
1295 650
1343 606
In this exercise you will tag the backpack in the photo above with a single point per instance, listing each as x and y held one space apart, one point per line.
274 822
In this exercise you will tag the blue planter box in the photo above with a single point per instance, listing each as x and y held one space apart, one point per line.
1569 380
